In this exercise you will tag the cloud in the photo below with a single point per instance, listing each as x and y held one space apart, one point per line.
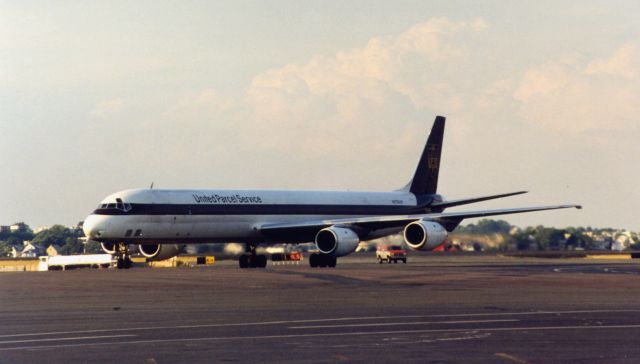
411 64
391 84
391 87
544 80
367 107
366 112
625 62
573 95
108 108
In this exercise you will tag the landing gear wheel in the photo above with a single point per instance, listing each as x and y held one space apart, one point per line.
123 259
124 262
322 260
313 260
260 261
252 260
404 260
332 262
244 261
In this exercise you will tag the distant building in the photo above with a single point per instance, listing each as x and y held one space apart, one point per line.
515 231
14 252
54 250
15 227
31 250
601 242
623 241
4 229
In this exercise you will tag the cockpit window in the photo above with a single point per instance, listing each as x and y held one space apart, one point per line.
119 205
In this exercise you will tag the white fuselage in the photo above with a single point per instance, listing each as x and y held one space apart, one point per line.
192 216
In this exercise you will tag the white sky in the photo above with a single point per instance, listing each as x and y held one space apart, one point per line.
97 97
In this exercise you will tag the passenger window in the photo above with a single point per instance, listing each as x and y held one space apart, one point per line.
128 233
138 232
111 206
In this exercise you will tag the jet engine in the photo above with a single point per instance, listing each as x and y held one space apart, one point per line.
337 241
159 251
424 235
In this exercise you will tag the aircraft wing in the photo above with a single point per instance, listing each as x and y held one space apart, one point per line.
447 219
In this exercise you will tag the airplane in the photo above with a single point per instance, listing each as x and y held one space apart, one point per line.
162 221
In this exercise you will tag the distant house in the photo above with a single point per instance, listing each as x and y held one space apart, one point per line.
622 241
14 228
15 253
4 229
601 242
31 250
28 251
54 250
515 231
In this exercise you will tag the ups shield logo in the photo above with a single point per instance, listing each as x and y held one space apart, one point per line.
433 160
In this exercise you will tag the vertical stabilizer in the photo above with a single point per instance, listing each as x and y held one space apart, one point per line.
425 180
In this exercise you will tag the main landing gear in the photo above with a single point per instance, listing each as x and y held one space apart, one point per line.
322 260
252 260
123 258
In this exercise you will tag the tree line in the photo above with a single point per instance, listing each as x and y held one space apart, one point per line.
511 237
67 239
544 238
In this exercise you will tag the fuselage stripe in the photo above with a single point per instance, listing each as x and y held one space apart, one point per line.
261 209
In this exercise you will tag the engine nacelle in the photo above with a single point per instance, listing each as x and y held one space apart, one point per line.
337 241
159 251
109 248
424 235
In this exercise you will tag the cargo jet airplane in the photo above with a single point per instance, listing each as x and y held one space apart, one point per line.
161 222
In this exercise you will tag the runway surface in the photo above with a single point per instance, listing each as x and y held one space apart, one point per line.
435 309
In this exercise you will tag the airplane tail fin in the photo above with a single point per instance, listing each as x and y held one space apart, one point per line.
425 179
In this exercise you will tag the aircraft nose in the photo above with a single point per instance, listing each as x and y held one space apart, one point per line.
93 227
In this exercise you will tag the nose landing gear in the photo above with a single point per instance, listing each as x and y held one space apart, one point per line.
123 258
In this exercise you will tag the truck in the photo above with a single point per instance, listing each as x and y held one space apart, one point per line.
64 262
391 253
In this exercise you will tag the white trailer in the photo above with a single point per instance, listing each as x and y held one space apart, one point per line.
63 262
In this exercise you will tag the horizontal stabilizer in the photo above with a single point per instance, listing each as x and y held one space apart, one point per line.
451 203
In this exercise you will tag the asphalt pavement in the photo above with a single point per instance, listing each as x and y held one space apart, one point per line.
434 309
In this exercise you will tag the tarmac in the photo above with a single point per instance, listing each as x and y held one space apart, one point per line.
437 308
